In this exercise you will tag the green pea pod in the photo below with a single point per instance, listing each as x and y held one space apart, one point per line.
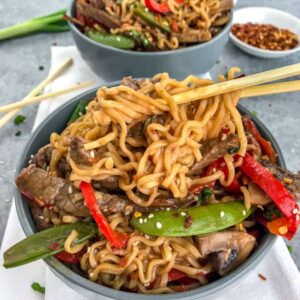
150 18
46 243
78 111
191 221
113 40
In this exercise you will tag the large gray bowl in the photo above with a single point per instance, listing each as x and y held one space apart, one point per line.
57 121
112 64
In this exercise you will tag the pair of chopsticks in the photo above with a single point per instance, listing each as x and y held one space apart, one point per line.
33 96
249 85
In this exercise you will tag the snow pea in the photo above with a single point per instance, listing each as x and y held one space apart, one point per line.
150 18
78 111
113 40
191 221
46 243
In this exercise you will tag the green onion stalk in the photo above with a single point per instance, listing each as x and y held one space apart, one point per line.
52 23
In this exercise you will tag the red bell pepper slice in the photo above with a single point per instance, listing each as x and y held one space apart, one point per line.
117 239
174 26
180 277
265 145
65 256
157 7
276 191
160 7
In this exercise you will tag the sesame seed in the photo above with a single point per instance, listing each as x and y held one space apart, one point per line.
30 161
195 198
283 229
102 255
47 169
88 249
91 274
150 216
158 225
92 153
147 236
70 190
80 113
141 221
222 214
244 213
183 213
168 208
41 217
145 220
31 156
295 211
147 284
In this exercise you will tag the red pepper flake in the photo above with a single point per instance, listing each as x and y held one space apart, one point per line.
188 221
262 277
54 246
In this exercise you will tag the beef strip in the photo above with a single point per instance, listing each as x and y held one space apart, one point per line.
101 4
132 83
42 158
81 156
212 150
61 195
63 168
111 183
253 146
281 174
100 16
47 190
193 36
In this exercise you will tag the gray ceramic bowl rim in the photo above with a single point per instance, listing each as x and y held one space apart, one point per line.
148 53
74 278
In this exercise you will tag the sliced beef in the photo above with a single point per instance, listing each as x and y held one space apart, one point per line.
225 5
253 146
63 168
89 11
101 4
50 191
81 156
132 83
212 150
38 217
110 184
193 36
290 180
47 190
42 158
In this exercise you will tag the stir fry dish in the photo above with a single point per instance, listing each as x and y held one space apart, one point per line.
150 196
151 25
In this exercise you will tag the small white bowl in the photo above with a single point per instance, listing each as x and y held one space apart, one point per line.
266 15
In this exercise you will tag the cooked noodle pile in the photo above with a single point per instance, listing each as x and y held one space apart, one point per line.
148 166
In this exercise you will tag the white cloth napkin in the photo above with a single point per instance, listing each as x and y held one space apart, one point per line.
283 277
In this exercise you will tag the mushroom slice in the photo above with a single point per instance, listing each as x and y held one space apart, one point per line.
225 249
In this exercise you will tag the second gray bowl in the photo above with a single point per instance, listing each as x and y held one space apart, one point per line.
112 64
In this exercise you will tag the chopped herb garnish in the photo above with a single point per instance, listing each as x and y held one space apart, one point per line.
18 133
205 195
233 150
41 68
271 213
38 288
290 248
19 119
254 113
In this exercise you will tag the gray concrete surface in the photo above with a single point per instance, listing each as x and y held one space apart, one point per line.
20 60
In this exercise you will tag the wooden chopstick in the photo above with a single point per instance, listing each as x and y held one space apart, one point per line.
48 96
62 68
237 84
270 89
